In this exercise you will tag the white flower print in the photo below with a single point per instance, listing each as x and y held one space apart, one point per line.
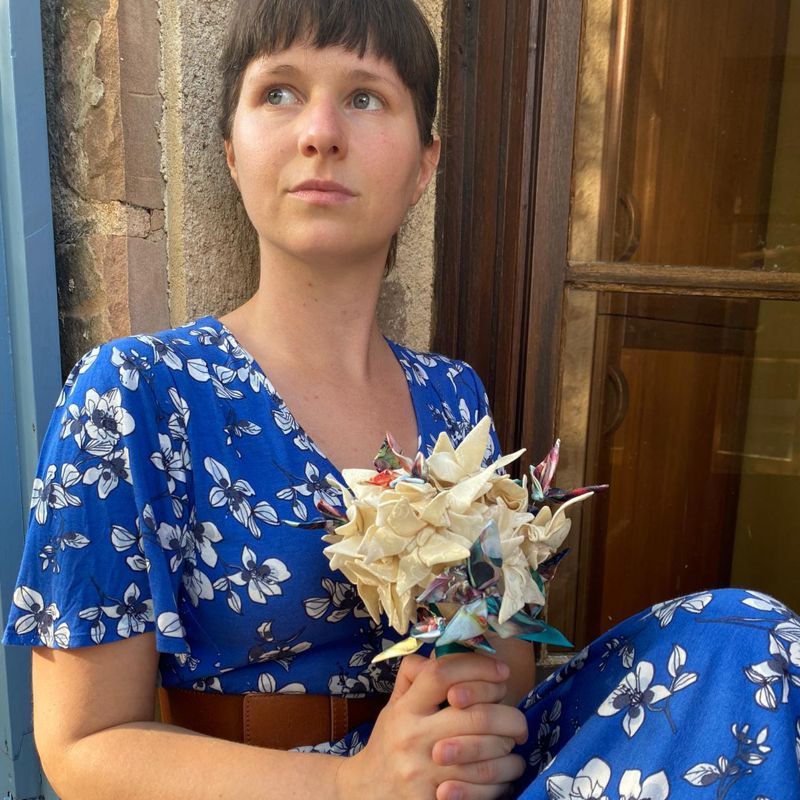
107 421
208 685
381 677
223 584
456 368
268 685
694 604
797 742
238 428
676 666
48 555
302 442
131 367
342 596
206 535
169 624
750 753
122 539
373 642
209 336
633 695
113 467
173 462
98 628
547 737
220 379
61 636
132 613
340 748
85 362
179 421
50 494
763 602
414 371
281 652
262 580
655 786
345 685
198 370
176 539
316 486
788 630
589 784
772 674
284 420
164 352
197 583
457 427
40 617
232 494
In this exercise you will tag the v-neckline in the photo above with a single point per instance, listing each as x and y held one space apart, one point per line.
397 351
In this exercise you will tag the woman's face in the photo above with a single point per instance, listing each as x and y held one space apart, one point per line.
326 153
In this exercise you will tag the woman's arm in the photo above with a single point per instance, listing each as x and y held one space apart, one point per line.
94 728
521 659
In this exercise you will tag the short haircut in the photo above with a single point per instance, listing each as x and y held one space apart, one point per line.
394 30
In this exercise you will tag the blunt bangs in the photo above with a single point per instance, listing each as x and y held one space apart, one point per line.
393 30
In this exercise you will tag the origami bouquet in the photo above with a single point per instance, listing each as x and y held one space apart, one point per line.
450 548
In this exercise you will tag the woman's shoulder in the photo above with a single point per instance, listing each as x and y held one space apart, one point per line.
196 349
446 373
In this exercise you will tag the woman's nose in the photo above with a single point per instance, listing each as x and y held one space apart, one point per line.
322 130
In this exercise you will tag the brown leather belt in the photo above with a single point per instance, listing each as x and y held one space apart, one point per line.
278 721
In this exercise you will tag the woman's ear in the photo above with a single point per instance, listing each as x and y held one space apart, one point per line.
230 158
429 162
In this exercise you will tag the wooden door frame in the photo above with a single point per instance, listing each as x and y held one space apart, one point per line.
504 204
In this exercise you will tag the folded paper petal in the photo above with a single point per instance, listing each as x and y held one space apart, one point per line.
447 535
405 647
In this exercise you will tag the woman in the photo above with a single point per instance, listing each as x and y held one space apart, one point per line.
174 464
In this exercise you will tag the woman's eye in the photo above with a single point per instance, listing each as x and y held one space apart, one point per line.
365 101
281 96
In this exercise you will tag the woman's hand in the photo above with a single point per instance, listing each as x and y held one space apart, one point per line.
420 751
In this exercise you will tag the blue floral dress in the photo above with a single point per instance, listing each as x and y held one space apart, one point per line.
170 485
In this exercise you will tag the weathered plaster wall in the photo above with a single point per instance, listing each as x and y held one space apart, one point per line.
406 307
101 70
213 256
212 250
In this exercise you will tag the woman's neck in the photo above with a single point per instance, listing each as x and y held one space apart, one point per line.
322 317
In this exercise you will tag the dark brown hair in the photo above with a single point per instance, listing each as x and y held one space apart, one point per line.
394 30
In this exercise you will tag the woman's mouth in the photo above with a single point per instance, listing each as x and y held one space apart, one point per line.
322 193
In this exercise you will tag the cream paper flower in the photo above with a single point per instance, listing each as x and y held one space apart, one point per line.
400 534
398 537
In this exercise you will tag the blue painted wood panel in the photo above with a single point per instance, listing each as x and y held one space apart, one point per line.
30 373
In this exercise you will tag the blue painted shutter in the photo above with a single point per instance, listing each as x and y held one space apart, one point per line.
30 373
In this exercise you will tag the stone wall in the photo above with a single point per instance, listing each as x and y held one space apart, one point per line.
149 228
102 65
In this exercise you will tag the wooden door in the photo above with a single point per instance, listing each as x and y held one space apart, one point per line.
655 252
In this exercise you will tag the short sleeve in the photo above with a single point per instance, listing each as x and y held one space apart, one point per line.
108 529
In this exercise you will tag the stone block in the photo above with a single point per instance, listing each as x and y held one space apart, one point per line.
139 52
141 104
141 117
148 296
92 281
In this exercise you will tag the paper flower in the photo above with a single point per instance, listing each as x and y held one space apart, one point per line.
417 533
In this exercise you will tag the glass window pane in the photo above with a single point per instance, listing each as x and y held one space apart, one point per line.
693 416
688 134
